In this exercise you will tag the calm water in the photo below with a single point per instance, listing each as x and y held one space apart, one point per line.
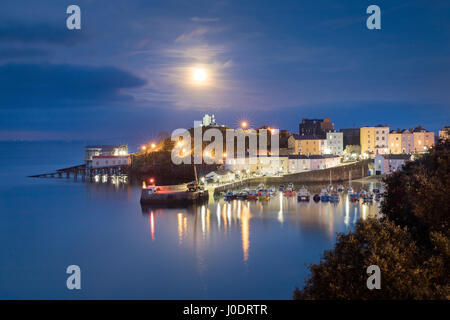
236 250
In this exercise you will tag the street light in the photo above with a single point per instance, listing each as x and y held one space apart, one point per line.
153 146
244 124
143 148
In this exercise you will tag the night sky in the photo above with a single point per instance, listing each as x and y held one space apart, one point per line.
126 75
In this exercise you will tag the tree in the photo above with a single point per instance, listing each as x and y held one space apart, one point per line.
410 244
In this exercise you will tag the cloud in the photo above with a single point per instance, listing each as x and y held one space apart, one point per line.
22 53
38 33
203 20
58 86
197 33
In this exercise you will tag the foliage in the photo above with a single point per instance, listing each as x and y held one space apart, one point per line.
410 244
352 148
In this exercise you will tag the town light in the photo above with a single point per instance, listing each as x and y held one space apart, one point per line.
153 146
244 124
151 181
179 143
143 148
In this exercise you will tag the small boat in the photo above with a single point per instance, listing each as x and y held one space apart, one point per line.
281 187
252 195
316 198
324 197
260 187
330 186
368 197
289 192
263 195
362 193
229 196
340 188
303 195
242 195
354 197
349 187
334 197
376 190
272 190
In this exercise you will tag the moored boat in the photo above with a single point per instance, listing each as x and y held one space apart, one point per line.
324 197
289 192
303 195
230 195
316 198
263 195
334 197
340 188
252 195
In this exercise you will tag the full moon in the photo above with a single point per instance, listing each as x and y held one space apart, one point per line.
200 75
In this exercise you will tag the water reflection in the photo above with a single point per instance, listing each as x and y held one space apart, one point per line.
220 223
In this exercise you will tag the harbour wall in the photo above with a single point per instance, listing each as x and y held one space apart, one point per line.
340 173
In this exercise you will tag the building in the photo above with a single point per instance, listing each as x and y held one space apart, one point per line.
315 127
351 136
374 140
271 165
444 134
104 150
395 142
300 163
388 163
109 161
307 145
335 143
423 139
208 120
407 141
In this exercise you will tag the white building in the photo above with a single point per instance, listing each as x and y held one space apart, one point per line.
208 120
335 143
110 161
388 163
283 164
381 139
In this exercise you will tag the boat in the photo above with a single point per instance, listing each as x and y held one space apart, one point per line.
272 190
324 197
368 197
281 187
303 195
354 197
291 185
316 198
263 195
334 197
362 193
340 188
330 186
260 187
376 190
289 192
242 195
230 195
349 187
252 195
